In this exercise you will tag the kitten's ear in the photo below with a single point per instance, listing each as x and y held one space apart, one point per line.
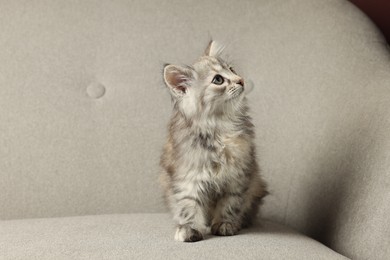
213 49
177 79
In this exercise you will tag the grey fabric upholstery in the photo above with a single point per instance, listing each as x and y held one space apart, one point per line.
147 236
83 109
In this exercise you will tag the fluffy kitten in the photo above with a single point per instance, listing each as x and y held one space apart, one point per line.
210 175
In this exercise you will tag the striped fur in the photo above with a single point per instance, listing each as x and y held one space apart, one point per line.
210 175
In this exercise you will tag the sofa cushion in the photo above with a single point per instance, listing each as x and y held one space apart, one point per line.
147 236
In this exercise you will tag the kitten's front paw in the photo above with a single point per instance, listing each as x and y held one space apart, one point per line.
225 229
187 234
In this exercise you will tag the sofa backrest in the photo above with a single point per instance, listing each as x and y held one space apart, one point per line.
83 110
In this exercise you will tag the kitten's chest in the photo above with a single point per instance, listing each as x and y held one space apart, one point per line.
218 154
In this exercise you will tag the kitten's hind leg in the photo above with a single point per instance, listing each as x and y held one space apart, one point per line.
250 215
257 192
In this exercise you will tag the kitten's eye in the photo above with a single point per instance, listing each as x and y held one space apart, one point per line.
232 70
218 80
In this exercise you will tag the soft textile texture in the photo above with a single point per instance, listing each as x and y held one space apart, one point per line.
147 236
83 109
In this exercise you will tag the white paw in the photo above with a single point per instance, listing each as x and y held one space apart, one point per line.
180 234
187 234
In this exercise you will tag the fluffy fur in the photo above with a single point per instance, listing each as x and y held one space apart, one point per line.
210 175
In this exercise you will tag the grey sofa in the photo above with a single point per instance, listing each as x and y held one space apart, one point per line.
83 114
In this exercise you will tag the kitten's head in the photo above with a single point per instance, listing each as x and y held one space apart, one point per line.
209 87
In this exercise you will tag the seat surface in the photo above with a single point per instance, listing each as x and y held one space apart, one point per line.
147 236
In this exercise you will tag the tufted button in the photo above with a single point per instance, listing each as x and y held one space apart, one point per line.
96 90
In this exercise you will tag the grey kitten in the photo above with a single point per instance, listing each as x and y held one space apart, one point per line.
210 175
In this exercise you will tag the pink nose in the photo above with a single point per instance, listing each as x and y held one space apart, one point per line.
240 82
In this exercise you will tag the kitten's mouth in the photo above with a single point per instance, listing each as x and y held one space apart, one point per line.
236 91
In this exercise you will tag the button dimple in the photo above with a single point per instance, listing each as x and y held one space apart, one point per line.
96 90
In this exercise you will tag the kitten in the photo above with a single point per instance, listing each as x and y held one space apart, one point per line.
210 175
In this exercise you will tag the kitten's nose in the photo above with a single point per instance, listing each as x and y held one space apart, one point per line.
240 81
